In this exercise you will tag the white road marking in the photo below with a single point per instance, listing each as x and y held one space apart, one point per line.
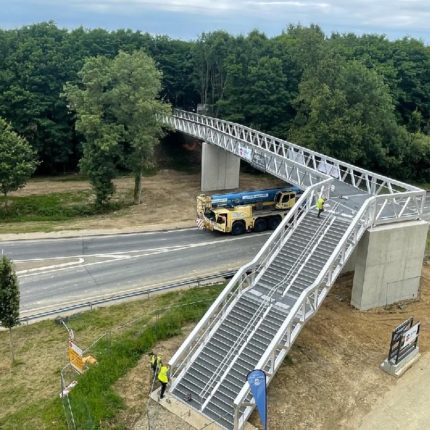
53 266
145 253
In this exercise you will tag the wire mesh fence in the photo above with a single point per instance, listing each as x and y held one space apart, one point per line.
78 410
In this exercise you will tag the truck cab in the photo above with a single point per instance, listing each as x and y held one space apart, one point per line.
285 200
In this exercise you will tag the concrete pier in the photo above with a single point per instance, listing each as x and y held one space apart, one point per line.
220 169
388 262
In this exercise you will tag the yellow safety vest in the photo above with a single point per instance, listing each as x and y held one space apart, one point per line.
320 203
162 374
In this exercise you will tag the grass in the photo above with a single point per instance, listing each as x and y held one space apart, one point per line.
29 391
52 207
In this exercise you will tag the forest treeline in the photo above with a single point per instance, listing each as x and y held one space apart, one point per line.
364 99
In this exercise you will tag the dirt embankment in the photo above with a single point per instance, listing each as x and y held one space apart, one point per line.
168 201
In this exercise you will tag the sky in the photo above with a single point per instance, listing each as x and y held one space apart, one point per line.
187 19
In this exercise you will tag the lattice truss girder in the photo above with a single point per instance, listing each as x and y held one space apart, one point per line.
283 159
239 142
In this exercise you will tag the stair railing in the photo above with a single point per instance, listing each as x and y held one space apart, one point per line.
245 276
311 298
253 324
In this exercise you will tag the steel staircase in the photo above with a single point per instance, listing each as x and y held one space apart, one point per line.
257 317
218 372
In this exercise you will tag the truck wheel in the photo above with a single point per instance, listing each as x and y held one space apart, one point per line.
274 222
237 228
260 225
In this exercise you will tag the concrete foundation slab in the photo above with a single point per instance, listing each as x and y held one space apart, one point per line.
190 416
220 169
388 263
400 368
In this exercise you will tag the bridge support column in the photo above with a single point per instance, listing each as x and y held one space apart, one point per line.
220 169
388 263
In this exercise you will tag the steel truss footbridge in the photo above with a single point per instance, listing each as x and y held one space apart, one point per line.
258 316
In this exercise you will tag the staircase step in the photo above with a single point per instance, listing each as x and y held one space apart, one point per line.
301 259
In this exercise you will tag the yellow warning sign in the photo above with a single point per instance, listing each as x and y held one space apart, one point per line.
75 356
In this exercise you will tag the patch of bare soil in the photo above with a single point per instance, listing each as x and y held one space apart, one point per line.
168 201
136 386
331 377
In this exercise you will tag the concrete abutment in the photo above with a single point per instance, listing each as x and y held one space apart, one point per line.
388 262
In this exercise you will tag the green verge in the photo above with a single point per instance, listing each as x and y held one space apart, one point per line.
52 207
94 402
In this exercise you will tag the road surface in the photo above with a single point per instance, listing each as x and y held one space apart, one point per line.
60 272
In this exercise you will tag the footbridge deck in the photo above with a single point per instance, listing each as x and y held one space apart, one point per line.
258 316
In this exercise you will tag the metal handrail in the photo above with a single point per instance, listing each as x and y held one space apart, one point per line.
120 297
217 308
365 217
263 307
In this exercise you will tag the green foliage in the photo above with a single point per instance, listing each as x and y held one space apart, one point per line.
9 294
17 159
418 158
118 113
53 207
135 106
251 79
345 110
9 298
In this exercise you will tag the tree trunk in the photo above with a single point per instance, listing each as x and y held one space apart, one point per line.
5 202
11 345
137 188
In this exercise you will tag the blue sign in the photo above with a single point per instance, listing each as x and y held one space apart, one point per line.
257 381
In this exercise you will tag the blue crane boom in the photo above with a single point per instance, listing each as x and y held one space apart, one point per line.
250 197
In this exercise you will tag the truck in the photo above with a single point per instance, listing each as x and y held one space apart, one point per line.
246 211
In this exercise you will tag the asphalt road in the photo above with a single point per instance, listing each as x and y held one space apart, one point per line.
74 270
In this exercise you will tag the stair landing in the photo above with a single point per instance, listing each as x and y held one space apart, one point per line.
188 415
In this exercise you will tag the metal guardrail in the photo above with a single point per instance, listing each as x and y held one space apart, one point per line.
198 282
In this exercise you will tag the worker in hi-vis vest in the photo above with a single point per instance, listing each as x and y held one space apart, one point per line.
320 205
163 377
154 361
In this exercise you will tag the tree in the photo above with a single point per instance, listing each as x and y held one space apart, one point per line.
9 298
345 110
118 112
17 160
209 57
35 67
134 104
